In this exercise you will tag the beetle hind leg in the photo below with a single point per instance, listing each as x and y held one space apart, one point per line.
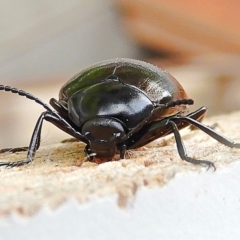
182 151
208 130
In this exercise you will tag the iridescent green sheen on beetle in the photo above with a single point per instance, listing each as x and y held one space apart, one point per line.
143 75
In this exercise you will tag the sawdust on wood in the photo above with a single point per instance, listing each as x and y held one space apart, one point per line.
59 172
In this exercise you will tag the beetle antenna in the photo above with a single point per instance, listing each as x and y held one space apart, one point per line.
180 102
174 103
25 94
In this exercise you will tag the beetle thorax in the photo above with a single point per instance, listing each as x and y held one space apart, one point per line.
103 135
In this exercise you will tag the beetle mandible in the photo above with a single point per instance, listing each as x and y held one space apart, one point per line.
117 105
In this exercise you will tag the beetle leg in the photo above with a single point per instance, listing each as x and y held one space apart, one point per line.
160 128
122 151
64 125
208 130
34 145
198 114
35 140
89 153
60 108
182 151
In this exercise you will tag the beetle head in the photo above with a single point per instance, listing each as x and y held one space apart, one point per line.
103 134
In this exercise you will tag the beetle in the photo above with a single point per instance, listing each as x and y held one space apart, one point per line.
117 105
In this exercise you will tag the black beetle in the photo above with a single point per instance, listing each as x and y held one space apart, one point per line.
117 105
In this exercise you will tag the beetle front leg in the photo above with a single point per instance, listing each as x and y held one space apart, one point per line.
122 151
182 151
33 146
35 140
89 153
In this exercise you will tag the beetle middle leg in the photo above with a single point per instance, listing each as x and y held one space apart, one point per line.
208 130
173 124
182 151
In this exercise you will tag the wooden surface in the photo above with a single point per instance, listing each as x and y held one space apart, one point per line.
58 172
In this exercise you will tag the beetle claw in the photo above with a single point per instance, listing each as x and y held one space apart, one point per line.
211 165
14 164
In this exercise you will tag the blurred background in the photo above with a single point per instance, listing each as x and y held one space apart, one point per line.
44 43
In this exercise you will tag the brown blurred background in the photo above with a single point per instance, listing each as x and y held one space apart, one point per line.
43 44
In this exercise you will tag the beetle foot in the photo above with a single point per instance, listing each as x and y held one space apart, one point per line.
236 145
202 162
122 151
89 154
15 164
211 165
